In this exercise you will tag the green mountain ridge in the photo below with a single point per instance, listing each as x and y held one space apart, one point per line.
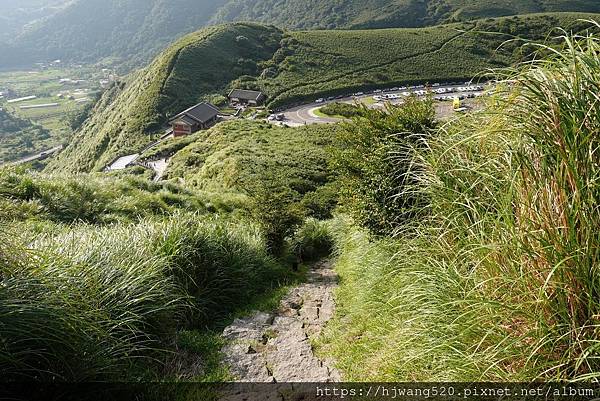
129 32
17 15
360 14
289 67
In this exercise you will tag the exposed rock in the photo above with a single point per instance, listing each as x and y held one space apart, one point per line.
277 347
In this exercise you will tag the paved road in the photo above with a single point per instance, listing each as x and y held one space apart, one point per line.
39 156
305 114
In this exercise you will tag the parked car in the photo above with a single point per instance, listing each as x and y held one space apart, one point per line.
320 100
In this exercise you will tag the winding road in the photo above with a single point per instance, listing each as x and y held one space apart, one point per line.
305 114
39 156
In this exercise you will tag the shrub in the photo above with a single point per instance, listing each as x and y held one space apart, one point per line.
374 163
312 241
499 281
277 211
321 203
342 109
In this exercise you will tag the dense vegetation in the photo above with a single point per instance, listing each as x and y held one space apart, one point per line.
373 166
129 32
283 169
131 114
332 14
497 278
20 138
289 67
128 279
337 109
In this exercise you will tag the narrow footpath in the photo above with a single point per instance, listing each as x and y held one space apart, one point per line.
276 347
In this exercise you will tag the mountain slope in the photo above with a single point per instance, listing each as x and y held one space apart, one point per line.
20 138
199 64
131 32
289 67
310 14
16 15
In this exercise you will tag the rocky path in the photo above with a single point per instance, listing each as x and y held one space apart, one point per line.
276 347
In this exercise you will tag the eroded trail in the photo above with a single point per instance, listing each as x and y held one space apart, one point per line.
276 347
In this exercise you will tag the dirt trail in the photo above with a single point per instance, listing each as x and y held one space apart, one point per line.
276 347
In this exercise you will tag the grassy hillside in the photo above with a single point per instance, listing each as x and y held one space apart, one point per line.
331 62
113 277
493 275
129 32
289 67
131 113
20 138
335 14
116 279
239 155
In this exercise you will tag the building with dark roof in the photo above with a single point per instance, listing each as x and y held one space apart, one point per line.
196 118
243 96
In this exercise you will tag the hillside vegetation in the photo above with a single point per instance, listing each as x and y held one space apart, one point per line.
113 277
289 67
131 113
480 261
20 138
361 14
284 170
128 33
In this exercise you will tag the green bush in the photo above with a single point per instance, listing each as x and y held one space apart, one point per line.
277 211
499 281
321 203
312 241
342 109
374 162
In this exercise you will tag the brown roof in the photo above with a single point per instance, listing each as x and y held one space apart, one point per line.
201 113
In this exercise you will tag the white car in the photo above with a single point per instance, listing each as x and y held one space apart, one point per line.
320 100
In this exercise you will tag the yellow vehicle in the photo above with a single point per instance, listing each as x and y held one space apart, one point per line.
457 103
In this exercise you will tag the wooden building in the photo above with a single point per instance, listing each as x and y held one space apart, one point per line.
196 118
246 97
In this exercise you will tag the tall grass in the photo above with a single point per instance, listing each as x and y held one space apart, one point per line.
500 281
104 303
556 109
98 199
